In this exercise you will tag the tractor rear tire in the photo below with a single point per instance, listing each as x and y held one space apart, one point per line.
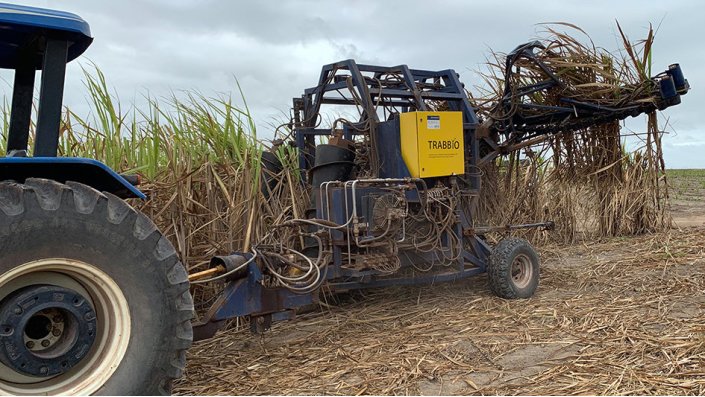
126 324
513 269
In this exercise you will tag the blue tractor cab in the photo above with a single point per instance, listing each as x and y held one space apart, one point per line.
25 28
33 39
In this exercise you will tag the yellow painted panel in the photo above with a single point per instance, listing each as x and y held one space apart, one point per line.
432 143
409 142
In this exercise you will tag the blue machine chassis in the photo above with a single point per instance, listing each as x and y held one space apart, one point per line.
247 296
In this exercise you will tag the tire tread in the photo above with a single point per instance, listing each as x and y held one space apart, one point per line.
499 266
87 201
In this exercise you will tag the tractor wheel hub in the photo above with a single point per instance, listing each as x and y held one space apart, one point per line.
45 330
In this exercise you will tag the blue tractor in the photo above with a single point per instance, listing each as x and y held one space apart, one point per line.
93 299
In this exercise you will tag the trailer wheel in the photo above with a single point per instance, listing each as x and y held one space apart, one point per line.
93 299
513 269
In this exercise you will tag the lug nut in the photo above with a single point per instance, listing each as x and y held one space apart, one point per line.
30 345
58 319
45 343
56 331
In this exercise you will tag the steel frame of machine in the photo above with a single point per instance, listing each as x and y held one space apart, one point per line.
337 201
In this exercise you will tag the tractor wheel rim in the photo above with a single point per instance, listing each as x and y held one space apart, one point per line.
112 326
521 271
46 330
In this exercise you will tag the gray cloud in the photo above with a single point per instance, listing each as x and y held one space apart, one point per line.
276 48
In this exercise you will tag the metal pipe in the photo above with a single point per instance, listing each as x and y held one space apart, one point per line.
206 273
549 225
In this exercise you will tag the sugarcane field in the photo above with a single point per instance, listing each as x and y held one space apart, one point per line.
352 198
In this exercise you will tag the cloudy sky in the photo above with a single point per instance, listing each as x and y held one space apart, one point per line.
276 48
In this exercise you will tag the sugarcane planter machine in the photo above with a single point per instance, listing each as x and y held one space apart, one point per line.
393 192
94 299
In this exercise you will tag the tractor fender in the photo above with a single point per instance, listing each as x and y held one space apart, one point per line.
62 169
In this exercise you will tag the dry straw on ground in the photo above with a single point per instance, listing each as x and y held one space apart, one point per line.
623 316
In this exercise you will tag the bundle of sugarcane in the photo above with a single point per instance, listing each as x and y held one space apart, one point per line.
584 176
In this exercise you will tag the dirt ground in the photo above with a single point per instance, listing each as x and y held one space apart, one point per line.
619 316
688 197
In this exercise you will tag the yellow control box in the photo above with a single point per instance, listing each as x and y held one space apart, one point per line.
432 143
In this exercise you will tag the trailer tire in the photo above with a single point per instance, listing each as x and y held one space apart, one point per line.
513 269
70 237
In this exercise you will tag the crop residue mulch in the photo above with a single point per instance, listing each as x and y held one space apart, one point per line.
622 316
